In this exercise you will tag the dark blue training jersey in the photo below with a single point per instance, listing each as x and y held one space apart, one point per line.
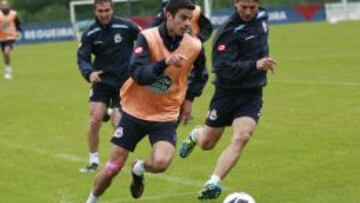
236 48
112 46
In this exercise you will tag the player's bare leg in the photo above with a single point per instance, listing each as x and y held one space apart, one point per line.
243 129
205 137
115 117
105 176
159 161
97 110
7 60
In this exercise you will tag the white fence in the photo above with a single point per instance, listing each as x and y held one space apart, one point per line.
342 11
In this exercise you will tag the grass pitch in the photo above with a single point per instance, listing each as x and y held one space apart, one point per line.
306 148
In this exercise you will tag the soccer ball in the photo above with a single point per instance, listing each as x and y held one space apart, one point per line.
239 197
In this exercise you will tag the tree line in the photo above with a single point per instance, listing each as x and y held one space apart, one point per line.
44 11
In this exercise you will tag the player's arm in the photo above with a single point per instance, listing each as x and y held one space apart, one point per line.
141 68
18 24
198 77
206 28
84 57
225 59
197 80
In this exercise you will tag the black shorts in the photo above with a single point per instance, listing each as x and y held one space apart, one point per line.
226 106
8 43
132 130
101 92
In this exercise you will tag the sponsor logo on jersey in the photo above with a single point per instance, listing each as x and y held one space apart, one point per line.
162 85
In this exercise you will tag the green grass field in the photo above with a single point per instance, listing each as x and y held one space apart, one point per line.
305 150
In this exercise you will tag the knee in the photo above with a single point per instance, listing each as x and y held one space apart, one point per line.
111 169
207 145
240 139
95 121
7 51
161 164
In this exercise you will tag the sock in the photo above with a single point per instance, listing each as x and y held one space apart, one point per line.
194 134
8 69
91 198
214 179
138 168
94 158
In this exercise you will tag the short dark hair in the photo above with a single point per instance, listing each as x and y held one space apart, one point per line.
102 1
173 6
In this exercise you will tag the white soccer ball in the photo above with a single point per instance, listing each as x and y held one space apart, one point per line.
239 197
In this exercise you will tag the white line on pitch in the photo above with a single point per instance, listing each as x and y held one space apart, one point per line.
73 158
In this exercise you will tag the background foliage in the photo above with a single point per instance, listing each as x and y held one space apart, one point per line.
42 11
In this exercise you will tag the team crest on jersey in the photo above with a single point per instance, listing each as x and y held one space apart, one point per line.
119 132
117 38
162 85
265 26
212 115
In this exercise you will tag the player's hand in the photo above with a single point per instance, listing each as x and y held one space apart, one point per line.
175 59
95 76
185 113
266 64
271 64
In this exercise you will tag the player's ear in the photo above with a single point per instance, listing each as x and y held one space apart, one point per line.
169 16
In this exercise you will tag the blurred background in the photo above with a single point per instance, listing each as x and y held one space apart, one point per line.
44 11
59 20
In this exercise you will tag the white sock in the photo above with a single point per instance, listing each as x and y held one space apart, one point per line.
138 169
94 158
214 179
8 69
195 133
91 198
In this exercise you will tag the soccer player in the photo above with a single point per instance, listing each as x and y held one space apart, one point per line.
111 40
155 96
201 25
9 31
240 62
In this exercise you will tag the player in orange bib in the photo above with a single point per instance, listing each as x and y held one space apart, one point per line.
9 31
167 71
